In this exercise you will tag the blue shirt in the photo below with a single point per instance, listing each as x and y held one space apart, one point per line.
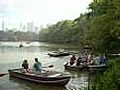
103 60
38 66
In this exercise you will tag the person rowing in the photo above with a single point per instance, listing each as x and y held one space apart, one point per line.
37 66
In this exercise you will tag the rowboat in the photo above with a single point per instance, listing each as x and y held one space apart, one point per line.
85 67
74 67
58 54
96 67
20 45
48 77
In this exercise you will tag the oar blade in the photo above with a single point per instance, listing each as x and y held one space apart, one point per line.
3 74
50 66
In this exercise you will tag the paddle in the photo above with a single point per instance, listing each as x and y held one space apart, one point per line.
3 74
50 66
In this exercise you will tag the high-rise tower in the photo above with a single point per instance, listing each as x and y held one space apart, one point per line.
3 26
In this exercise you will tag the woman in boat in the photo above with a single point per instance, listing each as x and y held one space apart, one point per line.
72 60
37 65
25 66
79 61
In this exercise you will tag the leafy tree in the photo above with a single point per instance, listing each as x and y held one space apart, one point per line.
105 25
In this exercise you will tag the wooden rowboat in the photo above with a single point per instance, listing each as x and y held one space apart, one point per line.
58 54
49 78
85 67
96 67
74 68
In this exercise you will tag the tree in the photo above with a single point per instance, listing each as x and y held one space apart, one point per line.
105 25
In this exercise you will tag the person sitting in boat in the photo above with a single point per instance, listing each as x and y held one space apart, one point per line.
102 59
25 66
96 60
37 65
85 56
79 61
72 60
90 58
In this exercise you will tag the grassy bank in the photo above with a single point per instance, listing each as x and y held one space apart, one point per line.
110 78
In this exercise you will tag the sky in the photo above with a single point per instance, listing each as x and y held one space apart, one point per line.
41 12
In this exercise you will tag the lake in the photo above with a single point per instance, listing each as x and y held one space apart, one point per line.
12 56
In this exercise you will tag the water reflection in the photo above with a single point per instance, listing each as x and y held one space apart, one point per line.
11 56
35 86
78 81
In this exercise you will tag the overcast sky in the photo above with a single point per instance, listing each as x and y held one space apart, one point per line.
42 12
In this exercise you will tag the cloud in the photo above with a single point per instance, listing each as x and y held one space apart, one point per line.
5 9
42 11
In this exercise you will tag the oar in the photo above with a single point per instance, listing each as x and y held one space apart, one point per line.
50 66
3 74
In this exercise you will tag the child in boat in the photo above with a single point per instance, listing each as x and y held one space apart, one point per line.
37 66
25 66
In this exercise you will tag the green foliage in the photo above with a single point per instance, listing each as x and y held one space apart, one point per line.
66 31
100 27
105 25
110 79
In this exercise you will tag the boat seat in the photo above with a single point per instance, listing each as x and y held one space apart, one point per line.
55 75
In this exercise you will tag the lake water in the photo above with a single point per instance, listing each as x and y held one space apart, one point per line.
11 56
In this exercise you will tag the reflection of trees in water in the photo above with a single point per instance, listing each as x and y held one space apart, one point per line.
26 85
78 73
79 80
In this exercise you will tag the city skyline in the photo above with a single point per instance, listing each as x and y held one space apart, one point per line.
29 26
41 12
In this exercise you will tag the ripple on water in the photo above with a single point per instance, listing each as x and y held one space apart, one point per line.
11 57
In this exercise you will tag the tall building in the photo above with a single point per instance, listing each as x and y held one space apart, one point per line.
24 28
36 29
3 25
21 26
30 26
